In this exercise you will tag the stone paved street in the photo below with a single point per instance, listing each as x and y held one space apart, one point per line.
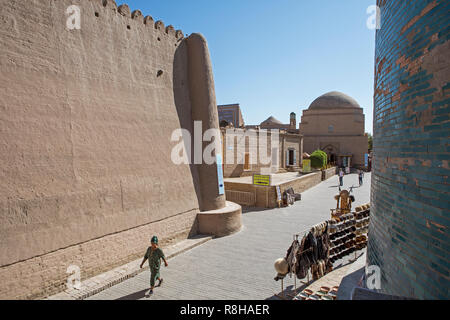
241 266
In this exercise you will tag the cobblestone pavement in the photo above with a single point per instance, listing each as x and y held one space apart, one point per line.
241 266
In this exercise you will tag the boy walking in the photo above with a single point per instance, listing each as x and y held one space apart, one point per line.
154 255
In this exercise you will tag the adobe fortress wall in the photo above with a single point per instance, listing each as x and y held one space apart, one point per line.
86 118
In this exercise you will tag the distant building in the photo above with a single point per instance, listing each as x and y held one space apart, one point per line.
252 127
273 123
335 124
241 143
230 114
242 157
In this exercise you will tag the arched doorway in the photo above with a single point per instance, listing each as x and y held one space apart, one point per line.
332 153
332 158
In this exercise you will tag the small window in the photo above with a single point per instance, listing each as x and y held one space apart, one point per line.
330 129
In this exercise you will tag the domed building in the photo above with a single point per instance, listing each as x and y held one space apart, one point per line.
335 123
273 123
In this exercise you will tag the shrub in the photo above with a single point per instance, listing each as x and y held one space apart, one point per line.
319 159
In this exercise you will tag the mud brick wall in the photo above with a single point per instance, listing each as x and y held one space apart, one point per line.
86 117
45 275
409 232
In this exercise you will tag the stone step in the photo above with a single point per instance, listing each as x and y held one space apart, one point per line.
108 279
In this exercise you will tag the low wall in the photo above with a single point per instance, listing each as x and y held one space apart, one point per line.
266 197
302 184
257 196
329 173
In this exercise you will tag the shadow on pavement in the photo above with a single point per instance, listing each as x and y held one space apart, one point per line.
254 209
348 283
134 296
289 292
348 259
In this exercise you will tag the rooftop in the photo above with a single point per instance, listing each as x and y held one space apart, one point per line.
272 120
334 100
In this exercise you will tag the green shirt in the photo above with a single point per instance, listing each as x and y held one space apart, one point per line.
154 257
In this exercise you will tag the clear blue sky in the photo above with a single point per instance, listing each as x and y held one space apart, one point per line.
275 57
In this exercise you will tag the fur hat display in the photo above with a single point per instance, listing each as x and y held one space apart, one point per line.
281 266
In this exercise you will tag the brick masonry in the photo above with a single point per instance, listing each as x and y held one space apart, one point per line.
46 275
410 191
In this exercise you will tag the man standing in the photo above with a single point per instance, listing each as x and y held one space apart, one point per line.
361 176
341 177
154 256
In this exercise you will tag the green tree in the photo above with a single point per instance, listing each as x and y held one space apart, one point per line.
319 159
370 138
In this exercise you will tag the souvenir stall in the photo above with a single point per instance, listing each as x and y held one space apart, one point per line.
348 230
325 245
306 258
342 237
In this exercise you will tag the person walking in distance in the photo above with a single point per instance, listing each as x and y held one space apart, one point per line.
361 177
154 255
341 177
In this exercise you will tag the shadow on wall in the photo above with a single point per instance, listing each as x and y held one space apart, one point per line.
254 209
183 104
238 171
